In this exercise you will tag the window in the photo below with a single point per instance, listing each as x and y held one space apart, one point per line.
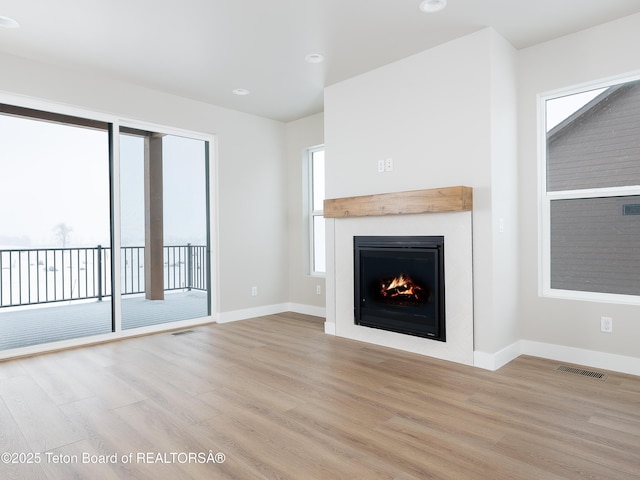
591 193
316 210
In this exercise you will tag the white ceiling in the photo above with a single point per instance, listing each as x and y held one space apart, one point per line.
203 49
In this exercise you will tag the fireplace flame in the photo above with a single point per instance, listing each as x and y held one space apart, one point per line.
400 287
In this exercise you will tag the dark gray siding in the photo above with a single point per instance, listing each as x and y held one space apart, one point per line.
594 247
601 147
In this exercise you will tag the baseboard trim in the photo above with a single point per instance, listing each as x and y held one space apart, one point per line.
330 328
493 361
561 353
589 358
247 313
308 310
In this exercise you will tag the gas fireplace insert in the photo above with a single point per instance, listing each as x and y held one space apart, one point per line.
399 284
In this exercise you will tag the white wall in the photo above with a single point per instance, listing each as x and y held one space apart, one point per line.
252 169
429 112
594 54
505 328
446 117
300 135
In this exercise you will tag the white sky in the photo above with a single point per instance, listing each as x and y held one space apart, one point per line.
51 174
184 191
560 108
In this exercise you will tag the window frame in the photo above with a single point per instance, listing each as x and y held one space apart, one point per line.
545 198
312 213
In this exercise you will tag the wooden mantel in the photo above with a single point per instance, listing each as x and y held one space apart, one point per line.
434 200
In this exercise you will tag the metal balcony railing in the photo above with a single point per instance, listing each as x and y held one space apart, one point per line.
35 276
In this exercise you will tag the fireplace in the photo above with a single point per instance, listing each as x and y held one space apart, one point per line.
399 284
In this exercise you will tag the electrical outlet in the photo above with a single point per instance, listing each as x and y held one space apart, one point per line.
388 165
318 290
254 291
606 324
381 166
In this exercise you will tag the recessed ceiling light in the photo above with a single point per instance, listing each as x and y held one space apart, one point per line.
432 6
7 22
314 58
240 91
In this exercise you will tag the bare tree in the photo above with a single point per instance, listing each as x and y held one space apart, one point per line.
63 232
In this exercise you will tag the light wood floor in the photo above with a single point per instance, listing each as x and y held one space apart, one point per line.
282 400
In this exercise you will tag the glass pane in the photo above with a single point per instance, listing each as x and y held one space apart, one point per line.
318 180
55 258
593 139
185 222
131 217
164 255
319 261
594 245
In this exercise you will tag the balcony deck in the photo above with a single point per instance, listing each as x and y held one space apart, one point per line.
27 326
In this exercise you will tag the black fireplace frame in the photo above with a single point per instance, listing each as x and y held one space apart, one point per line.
427 326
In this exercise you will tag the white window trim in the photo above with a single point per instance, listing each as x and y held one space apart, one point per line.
311 213
544 201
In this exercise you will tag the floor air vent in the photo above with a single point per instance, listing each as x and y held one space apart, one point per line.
183 332
582 373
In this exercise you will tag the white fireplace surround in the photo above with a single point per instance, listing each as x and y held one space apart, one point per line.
456 227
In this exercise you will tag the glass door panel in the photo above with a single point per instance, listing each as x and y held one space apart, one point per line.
55 253
164 253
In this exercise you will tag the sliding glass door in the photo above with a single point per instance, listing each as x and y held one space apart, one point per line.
62 204
164 224
55 248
